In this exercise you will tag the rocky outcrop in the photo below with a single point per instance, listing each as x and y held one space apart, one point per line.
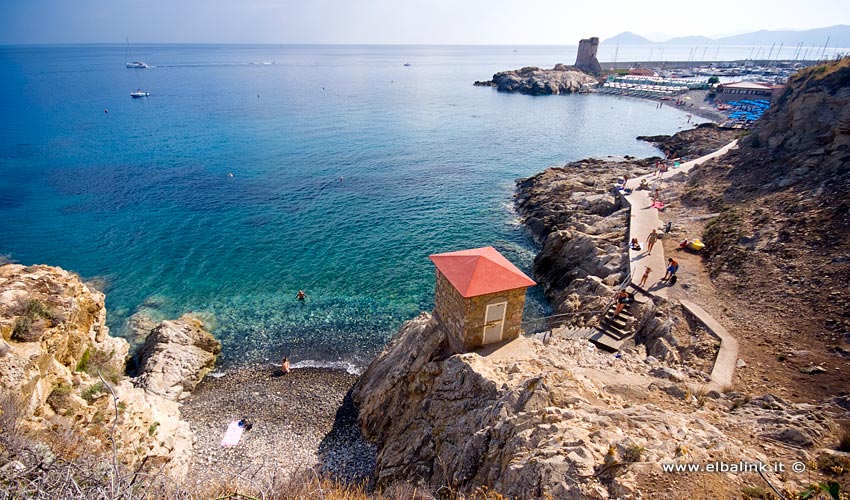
58 361
564 422
586 56
693 143
582 227
175 358
535 81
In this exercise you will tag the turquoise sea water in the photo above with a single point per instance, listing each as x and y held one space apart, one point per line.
349 169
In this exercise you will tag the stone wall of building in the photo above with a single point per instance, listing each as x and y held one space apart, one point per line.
586 57
477 308
450 311
463 318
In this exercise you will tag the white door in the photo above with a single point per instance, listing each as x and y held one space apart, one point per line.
494 322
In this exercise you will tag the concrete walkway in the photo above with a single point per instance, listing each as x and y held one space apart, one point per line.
642 221
727 357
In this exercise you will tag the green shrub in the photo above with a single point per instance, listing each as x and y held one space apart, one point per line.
152 428
95 361
91 393
22 328
757 493
83 364
633 453
58 398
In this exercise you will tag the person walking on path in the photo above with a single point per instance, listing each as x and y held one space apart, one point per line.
672 268
650 240
645 277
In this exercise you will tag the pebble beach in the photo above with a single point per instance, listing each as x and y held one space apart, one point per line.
296 421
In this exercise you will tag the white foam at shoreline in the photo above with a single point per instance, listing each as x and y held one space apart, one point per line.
337 365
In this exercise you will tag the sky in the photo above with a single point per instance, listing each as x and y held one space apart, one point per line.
484 22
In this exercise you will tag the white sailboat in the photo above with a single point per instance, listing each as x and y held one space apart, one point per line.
128 55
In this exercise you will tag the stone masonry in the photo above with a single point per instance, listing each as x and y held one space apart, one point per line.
463 318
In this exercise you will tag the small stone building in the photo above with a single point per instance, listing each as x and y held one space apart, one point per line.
479 297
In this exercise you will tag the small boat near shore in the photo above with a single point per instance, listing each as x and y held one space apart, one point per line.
139 93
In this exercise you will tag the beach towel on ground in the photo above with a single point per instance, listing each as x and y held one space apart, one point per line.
659 205
233 434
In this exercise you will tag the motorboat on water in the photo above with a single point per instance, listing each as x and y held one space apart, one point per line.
139 93
137 65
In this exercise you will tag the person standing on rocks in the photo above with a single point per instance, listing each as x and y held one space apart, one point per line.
650 240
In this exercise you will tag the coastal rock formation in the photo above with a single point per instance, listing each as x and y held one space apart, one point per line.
535 81
586 56
175 357
582 227
61 367
565 421
692 143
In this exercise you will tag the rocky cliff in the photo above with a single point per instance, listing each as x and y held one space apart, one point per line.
61 368
559 420
784 214
572 212
535 81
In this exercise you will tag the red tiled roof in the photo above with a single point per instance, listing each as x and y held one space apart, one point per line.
480 271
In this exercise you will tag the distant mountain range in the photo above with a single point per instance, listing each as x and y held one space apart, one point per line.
839 36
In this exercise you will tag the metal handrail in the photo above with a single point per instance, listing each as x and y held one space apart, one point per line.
548 320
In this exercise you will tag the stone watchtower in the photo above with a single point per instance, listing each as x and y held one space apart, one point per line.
479 297
586 57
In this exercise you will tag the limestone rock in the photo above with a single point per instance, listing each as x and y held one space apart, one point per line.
56 374
548 425
175 358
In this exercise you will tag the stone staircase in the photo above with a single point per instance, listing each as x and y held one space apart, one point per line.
612 330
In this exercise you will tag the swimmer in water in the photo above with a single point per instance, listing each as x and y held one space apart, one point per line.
300 295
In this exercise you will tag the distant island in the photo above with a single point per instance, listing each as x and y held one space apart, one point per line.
838 36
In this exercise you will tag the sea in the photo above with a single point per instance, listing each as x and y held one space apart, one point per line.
255 171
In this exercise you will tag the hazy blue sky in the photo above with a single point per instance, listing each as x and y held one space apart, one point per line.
398 21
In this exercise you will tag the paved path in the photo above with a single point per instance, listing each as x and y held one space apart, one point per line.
727 357
642 221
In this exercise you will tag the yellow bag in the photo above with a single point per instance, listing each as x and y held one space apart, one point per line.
696 245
